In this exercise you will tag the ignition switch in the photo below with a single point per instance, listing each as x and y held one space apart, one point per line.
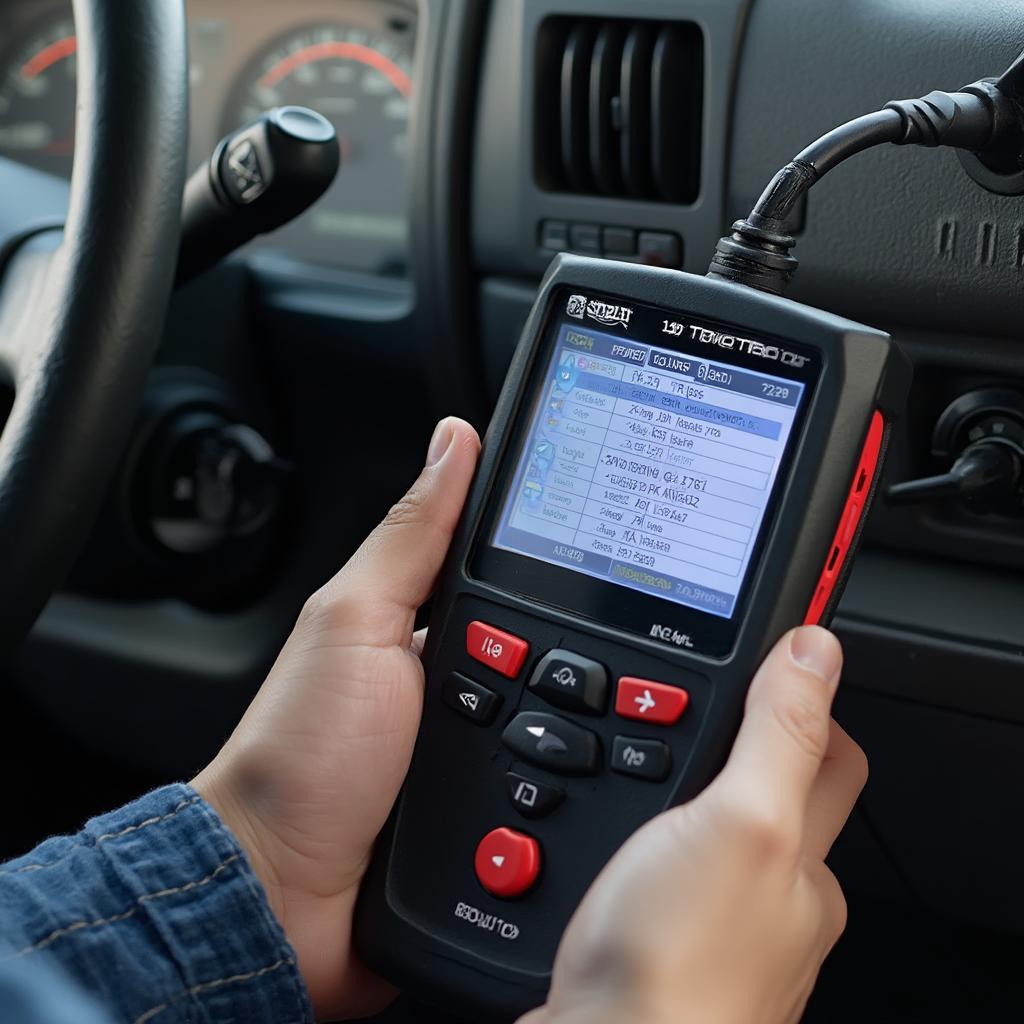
211 480
981 437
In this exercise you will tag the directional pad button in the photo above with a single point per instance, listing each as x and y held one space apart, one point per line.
553 743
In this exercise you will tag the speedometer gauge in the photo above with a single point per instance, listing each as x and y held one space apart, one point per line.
37 99
362 81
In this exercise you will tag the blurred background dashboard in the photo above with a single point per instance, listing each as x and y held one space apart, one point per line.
351 60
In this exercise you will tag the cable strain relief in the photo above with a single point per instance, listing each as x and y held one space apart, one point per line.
756 254
963 120
1004 151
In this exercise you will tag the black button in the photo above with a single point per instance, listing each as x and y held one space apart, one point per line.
553 743
571 681
619 241
554 235
532 799
660 249
645 759
585 238
471 699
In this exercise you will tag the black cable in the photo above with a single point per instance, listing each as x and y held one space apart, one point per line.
985 116
810 164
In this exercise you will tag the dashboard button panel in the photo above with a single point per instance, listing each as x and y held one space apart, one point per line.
585 238
554 235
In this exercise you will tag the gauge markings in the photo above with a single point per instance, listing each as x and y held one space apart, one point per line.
345 51
49 56
360 78
37 98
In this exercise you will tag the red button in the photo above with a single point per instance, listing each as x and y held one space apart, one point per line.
502 651
650 702
507 862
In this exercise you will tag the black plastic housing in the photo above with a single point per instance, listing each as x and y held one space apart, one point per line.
408 925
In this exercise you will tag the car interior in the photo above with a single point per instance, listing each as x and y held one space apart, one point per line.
167 505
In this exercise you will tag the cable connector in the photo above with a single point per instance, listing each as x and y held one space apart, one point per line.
985 118
963 120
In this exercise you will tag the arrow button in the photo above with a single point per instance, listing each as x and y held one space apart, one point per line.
553 743
647 701
507 862
549 743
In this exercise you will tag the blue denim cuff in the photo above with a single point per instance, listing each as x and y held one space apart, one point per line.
155 910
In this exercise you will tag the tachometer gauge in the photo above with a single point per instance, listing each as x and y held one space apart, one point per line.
362 82
37 99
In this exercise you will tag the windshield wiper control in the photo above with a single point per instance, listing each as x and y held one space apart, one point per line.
258 179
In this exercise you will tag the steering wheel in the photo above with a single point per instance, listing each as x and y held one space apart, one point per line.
81 314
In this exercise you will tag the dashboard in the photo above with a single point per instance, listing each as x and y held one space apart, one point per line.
351 60
399 297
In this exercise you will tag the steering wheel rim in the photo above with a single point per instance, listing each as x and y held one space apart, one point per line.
80 321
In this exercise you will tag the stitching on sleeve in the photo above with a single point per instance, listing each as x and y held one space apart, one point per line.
159 894
187 802
270 924
59 933
207 986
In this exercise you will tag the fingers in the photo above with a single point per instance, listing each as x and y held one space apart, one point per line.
394 570
785 732
836 789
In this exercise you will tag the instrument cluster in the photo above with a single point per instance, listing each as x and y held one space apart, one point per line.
351 60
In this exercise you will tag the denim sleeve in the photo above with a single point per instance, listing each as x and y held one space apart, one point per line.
154 915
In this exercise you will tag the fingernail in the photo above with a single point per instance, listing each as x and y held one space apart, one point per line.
818 651
440 442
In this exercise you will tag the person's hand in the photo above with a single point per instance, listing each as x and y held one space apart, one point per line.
309 777
722 910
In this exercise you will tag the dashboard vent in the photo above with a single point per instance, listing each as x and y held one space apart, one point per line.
617 108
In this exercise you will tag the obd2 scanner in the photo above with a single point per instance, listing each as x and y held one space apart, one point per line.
676 473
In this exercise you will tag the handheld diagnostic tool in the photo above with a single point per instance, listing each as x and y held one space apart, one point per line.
677 472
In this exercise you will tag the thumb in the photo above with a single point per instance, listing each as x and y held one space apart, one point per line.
785 732
395 568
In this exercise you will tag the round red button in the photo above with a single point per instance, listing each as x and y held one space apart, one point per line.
507 862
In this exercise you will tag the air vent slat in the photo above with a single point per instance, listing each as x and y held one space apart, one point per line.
618 108
675 112
635 98
605 114
575 105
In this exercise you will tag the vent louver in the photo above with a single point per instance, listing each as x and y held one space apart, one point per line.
617 108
